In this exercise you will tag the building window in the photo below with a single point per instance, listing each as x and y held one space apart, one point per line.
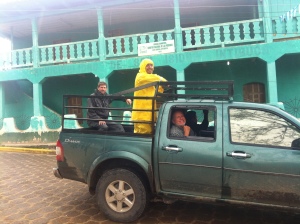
254 92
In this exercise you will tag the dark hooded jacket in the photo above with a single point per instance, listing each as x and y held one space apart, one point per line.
98 113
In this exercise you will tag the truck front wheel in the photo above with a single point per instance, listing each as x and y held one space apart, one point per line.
121 195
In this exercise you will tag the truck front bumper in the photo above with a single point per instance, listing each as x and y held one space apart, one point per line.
56 173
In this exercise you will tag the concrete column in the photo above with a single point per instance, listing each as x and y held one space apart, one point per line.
267 21
177 30
37 99
101 38
2 100
35 44
38 121
272 83
180 77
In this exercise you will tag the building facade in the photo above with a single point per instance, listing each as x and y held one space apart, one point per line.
66 47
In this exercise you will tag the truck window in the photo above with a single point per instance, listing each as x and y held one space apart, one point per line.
200 121
262 128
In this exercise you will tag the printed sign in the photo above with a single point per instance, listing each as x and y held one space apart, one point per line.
161 47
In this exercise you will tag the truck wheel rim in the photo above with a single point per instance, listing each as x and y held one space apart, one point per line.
119 196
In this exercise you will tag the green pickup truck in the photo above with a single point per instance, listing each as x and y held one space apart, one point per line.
249 153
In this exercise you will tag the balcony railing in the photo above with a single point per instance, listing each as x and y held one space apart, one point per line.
16 58
128 45
67 52
286 29
217 35
223 34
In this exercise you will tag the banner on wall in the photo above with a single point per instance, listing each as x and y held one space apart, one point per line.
290 14
161 47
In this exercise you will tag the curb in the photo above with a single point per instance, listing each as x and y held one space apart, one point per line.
28 150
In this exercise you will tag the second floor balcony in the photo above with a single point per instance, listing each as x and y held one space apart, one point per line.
218 35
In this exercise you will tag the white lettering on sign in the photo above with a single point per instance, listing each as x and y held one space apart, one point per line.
161 47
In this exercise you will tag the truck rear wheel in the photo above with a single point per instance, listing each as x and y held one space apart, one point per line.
121 195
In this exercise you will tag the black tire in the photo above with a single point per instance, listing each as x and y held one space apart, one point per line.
121 195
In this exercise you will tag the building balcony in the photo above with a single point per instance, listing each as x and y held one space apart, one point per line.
193 38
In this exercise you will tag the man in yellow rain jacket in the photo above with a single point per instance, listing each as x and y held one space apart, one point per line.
145 76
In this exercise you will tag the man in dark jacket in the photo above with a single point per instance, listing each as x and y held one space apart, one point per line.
99 113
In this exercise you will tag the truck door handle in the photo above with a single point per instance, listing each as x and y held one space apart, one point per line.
238 154
173 148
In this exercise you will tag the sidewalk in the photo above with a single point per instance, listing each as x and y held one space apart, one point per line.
29 148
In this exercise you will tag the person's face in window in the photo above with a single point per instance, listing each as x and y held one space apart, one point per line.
149 68
102 89
178 118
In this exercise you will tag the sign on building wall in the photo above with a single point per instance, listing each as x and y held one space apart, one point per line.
161 47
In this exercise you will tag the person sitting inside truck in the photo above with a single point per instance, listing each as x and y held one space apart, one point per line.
192 121
179 127
99 114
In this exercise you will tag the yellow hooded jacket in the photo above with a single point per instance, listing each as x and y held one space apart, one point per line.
143 78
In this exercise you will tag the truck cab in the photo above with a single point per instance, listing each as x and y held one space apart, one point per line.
250 154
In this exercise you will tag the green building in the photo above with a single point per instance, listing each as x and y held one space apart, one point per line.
67 46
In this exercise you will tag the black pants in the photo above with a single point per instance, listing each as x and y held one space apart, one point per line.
111 126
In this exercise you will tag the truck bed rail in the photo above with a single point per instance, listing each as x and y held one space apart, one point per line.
173 90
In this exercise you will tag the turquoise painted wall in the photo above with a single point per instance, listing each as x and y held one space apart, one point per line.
19 102
241 71
19 105
56 87
18 94
26 87
288 78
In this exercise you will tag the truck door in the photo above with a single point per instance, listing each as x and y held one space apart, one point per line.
261 157
191 165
